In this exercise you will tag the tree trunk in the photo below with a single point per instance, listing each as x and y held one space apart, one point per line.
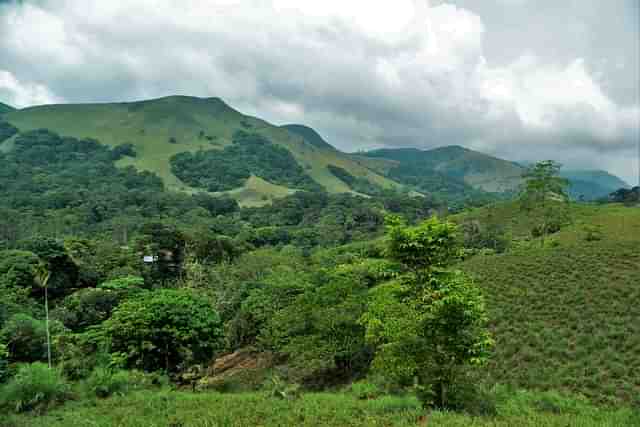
46 311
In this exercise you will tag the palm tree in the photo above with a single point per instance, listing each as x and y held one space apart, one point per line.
42 275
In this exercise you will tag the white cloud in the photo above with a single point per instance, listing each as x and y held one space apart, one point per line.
365 73
23 94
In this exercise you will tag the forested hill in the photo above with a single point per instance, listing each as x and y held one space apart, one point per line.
162 130
478 170
592 184
459 170
4 108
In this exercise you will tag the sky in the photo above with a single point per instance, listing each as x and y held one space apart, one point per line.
525 80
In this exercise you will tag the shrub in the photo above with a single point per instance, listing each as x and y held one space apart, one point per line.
104 381
592 233
34 387
275 386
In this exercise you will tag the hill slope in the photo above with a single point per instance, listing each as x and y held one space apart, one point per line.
161 128
472 168
592 184
565 316
4 108
309 135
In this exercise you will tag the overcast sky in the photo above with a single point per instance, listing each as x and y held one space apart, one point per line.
521 79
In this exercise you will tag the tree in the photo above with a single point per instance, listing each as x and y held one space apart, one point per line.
165 329
545 195
42 274
429 322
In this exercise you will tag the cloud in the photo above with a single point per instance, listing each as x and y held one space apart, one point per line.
365 74
20 93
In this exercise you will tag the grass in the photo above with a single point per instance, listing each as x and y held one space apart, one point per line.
186 409
195 123
567 317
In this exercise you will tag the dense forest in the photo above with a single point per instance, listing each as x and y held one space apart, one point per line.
215 170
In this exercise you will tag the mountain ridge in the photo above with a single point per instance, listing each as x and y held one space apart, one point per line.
161 128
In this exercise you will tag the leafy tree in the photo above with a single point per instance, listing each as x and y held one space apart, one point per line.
319 330
63 272
429 322
86 307
490 235
165 243
17 268
42 275
25 338
166 328
545 195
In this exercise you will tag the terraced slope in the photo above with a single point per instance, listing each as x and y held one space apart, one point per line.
567 317
161 128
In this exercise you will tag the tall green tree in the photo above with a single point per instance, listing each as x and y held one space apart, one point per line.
42 276
166 329
429 323
544 195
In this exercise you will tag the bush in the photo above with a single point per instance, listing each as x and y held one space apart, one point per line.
104 381
593 233
34 387
275 386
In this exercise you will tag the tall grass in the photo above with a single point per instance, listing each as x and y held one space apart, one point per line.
185 409
34 387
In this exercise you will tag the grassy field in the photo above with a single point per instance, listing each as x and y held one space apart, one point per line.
194 123
566 316
186 409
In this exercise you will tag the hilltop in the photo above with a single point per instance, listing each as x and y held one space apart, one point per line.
159 129
309 135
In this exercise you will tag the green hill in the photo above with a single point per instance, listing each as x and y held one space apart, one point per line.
592 184
565 317
477 170
309 135
4 108
161 128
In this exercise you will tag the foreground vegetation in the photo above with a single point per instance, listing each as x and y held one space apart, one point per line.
159 408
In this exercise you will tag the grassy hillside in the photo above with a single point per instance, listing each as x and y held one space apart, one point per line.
565 316
4 108
309 135
471 167
163 127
